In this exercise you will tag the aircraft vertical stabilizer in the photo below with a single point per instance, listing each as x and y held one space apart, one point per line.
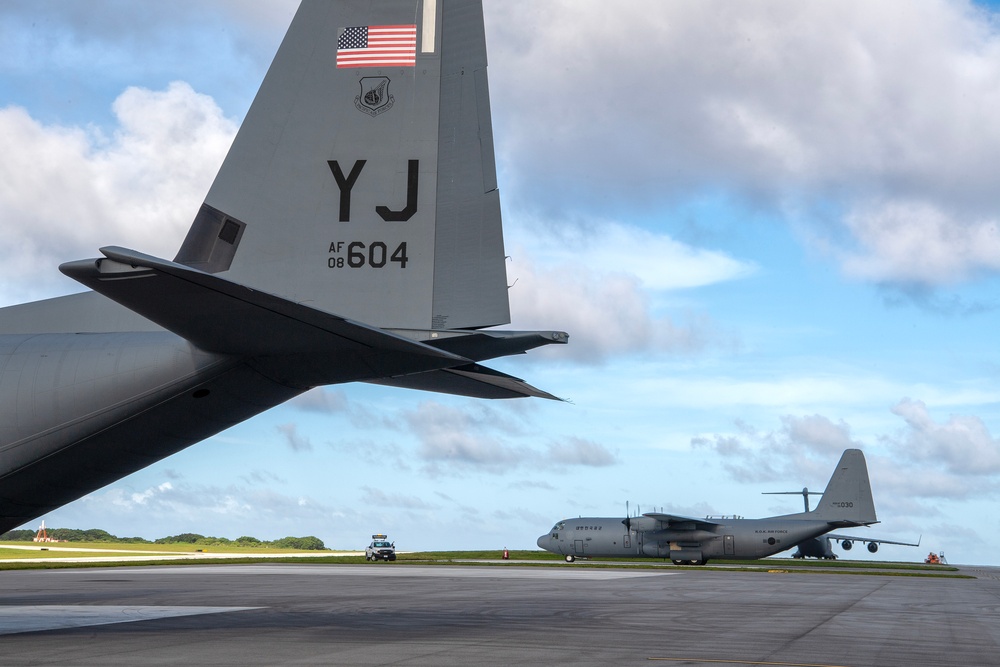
362 181
848 495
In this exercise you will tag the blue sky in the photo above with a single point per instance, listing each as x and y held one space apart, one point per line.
772 232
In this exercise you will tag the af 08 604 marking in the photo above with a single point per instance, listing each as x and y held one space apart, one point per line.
359 254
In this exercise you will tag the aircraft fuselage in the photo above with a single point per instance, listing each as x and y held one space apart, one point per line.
78 411
732 538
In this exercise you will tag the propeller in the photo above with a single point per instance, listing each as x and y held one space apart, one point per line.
628 519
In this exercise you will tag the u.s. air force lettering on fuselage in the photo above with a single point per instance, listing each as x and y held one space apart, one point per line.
356 254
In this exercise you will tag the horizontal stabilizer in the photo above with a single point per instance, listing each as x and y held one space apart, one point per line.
865 540
472 380
305 346
482 345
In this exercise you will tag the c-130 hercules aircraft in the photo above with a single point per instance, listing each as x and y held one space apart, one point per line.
353 233
847 502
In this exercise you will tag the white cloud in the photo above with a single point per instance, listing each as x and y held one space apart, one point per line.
531 485
142 498
919 242
963 444
581 451
803 448
793 107
521 516
455 440
66 191
816 388
295 440
262 477
378 497
169 508
108 33
958 459
655 260
322 400
606 313
782 386
604 281
266 14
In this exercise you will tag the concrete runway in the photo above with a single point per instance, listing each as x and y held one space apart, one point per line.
393 614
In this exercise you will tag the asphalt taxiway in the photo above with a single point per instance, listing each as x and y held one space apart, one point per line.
381 614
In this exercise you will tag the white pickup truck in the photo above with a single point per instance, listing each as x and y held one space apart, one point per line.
380 548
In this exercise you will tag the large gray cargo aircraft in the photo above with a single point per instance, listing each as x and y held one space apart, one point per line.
353 233
847 502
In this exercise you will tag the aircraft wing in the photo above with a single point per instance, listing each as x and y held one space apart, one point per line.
302 345
674 522
865 540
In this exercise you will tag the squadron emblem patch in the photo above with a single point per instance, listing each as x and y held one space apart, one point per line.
374 98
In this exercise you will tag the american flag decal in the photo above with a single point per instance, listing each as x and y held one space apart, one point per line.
378 46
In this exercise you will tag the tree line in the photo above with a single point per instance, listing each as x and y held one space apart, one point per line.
307 543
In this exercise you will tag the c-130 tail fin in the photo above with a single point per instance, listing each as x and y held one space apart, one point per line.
847 499
362 181
361 186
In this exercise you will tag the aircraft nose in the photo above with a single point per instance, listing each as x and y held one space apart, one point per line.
543 542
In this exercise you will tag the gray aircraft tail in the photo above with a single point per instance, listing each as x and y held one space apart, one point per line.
362 181
847 499
359 202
